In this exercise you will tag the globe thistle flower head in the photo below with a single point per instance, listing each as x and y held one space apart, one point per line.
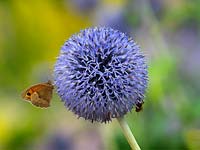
100 74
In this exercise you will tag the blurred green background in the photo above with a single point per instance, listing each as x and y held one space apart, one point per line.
31 34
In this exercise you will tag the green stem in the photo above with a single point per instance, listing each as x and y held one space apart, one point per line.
128 134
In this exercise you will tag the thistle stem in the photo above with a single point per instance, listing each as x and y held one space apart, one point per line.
128 134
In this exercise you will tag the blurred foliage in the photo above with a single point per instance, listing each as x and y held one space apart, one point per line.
31 34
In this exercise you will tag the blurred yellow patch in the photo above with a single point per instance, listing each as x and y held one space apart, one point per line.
192 138
4 127
45 21
115 2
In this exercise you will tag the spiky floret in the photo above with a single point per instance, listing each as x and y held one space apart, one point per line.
100 74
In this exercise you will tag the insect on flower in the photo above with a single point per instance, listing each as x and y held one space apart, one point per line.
138 107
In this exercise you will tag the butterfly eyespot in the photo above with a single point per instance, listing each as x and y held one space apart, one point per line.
28 94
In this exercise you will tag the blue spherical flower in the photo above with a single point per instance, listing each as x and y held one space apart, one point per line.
101 74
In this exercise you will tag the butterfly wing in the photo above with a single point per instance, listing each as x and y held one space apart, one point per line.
46 92
39 102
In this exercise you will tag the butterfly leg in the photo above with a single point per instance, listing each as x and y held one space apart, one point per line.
37 101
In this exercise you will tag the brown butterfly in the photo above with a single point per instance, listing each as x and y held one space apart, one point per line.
40 94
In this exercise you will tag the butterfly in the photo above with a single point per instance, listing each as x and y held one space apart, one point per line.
40 94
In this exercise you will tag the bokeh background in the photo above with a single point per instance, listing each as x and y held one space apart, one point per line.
31 34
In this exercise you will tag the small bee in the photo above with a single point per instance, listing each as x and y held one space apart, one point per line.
138 106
